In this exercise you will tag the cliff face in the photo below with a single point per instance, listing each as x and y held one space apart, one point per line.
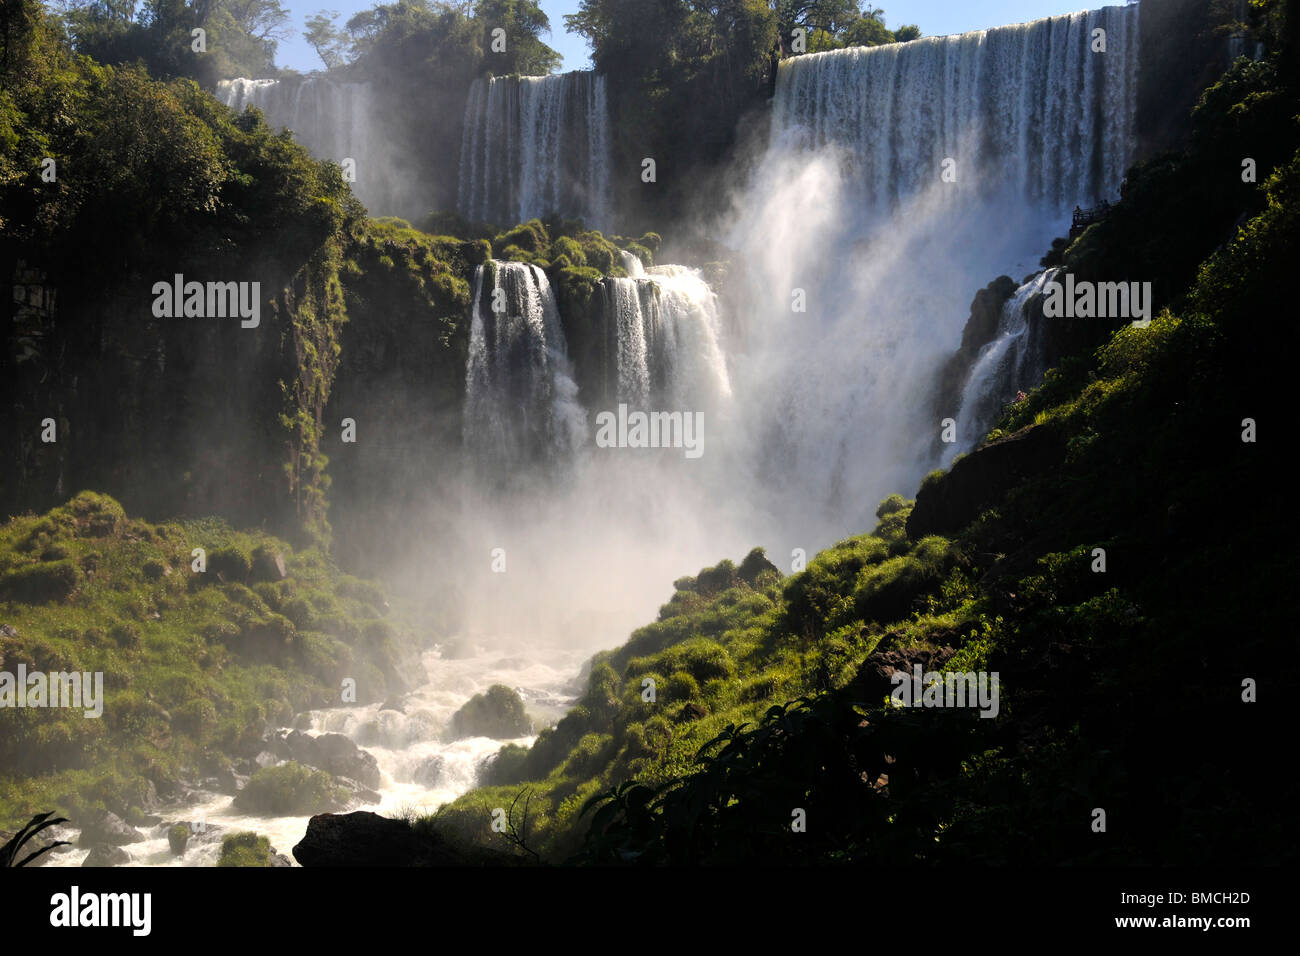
1181 56
173 415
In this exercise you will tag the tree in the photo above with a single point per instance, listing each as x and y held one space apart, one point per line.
328 41
523 22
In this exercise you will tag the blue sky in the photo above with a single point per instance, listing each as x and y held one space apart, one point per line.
934 17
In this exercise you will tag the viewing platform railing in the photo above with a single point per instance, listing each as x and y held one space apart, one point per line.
1083 218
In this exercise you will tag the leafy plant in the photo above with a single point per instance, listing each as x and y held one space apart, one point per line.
9 852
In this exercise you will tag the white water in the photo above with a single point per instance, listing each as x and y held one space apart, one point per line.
668 338
821 413
336 121
1029 107
536 145
402 743
520 398
849 204
1007 364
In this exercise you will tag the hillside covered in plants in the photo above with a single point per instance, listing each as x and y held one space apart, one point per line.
1116 552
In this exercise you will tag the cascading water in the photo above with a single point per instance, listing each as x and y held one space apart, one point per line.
334 121
1004 366
535 145
421 765
861 246
859 262
1037 107
666 331
520 398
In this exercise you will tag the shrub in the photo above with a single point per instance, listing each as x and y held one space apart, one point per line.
245 849
498 713
887 591
291 789
42 583
195 716
232 563
96 515
507 766
681 686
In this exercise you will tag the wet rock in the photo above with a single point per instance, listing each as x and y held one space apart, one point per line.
106 856
367 839
198 832
428 772
361 795
981 328
267 564
279 859
108 828
49 856
333 753
393 703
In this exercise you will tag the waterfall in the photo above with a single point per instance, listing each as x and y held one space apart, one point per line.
536 145
1029 107
861 247
520 398
334 121
666 335
1007 364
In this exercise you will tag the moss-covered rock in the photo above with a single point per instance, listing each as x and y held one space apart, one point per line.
498 713
291 789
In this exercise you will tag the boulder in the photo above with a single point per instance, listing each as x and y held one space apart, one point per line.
103 855
333 753
108 828
268 564
341 757
178 835
691 711
197 832
981 479
367 839
874 679
498 714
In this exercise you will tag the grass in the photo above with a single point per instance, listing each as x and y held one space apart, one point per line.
196 665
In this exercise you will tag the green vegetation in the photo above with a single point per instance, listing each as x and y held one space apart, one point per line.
291 789
197 666
245 849
684 75
208 195
498 713
11 852
1119 689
